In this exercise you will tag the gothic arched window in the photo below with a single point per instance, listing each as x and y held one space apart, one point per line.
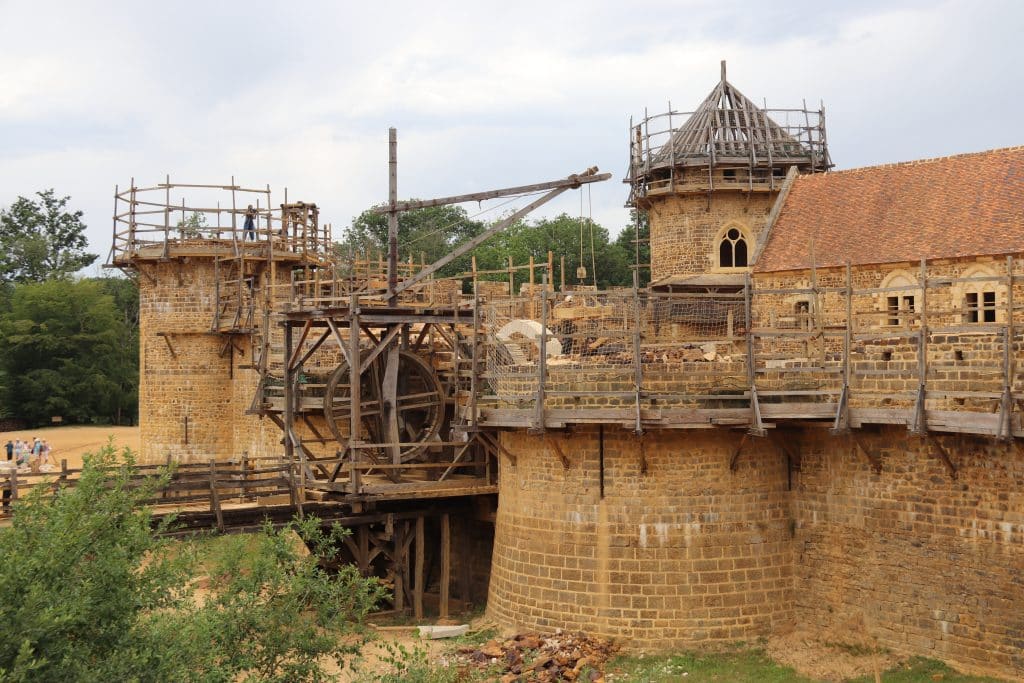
732 250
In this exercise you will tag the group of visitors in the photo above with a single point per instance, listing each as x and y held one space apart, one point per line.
35 452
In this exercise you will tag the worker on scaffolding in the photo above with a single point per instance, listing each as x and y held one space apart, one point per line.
249 227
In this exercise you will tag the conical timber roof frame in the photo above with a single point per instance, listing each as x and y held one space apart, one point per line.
728 128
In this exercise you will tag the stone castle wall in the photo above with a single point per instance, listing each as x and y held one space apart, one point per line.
691 553
688 553
926 564
960 356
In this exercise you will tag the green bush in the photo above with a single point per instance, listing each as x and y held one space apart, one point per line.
89 591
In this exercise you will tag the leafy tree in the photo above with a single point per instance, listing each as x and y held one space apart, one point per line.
67 352
88 592
424 234
627 241
433 232
41 239
193 225
560 235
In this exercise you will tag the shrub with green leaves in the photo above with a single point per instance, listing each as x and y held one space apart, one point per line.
89 591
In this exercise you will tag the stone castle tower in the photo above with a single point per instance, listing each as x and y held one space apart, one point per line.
708 180
206 289
654 536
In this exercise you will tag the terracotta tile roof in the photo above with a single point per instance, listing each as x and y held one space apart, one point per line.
964 205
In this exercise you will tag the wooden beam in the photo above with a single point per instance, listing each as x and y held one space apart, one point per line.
381 345
343 344
417 588
397 560
553 445
734 460
873 458
937 449
298 346
573 181
316 345
472 244
446 565
494 441
167 340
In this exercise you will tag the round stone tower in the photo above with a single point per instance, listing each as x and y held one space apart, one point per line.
210 267
674 537
707 181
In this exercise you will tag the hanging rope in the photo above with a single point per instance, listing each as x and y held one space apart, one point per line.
590 219
581 271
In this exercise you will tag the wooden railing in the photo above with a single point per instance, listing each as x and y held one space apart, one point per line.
188 486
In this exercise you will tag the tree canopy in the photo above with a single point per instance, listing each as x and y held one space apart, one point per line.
430 233
424 234
70 351
41 239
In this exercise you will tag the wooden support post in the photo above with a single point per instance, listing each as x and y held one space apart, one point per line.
215 496
553 445
474 387
873 458
399 566
638 372
842 421
561 274
289 409
446 565
532 301
392 216
1006 404
755 410
932 442
354 392
245 475
918 422
511 278
542 360
734 460
417 588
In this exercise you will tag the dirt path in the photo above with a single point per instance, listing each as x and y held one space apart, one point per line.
72 443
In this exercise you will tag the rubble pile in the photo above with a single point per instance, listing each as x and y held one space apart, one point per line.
533 657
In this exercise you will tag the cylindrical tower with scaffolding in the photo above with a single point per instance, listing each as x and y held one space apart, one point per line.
211 262
666 537
708 179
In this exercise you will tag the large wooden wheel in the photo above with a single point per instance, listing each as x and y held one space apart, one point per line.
420 409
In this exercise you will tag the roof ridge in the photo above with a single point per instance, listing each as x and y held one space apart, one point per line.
914 162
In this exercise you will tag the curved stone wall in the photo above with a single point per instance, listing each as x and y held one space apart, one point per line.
683 227
684 553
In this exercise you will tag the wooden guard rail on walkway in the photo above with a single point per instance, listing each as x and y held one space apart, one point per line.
190 488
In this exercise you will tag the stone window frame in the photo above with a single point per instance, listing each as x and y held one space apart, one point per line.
745 234
900 277
961 291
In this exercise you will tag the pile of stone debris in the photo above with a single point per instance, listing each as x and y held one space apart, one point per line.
542 658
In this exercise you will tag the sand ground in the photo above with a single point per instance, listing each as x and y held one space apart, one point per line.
72 442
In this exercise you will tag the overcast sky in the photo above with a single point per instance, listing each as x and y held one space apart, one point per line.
301 94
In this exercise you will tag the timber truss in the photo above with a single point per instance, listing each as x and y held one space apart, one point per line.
376 397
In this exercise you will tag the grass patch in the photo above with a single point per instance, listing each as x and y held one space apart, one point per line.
754 666
736 666
923 670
